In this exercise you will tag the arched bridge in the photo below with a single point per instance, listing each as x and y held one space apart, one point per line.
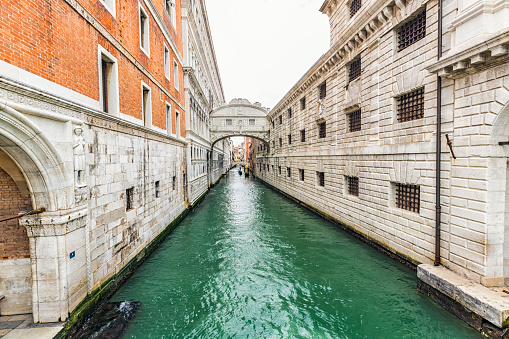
239 118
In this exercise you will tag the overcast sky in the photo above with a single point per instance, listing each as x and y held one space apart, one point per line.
263 47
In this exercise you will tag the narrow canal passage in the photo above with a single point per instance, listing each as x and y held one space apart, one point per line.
249 263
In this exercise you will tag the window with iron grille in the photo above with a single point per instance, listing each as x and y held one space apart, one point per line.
174 183
251 122
353 185
321 178
280 119
323 90
354 121
302 135
288 172
280 142
407 197
354 7
322 131
129 199
410 106
157 189
229 122
354 71
289 113
303 103
412 31
289 139
301 174
279 168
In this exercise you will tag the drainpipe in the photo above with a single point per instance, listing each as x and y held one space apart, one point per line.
438 142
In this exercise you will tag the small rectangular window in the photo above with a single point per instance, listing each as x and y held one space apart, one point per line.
146 107
156 189
174 183
320 176
168 119
280 142
167 62
302 135
251 122
177 124
290 113
301 174
279 168
303 103
144 38
410 106
105 84
354 121
407 197
129 199
280 119
229 122
353 185
288 172
272 123
354 7
412 31
354 70
323 90
176 74
322 130
289 139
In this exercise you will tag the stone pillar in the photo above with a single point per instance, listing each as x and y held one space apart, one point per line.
58 260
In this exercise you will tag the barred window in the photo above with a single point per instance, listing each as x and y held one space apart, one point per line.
302 135
280 119
157 190
322 131
354 121
412 31
174 183
288 172
229 122
251 122
301 174
303 103
321 178
354 7
279 168
129 199
354 71
323 90
410 106
289 113
280 142
353 185
289 139
408 197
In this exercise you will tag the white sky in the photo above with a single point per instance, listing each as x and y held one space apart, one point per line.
263 47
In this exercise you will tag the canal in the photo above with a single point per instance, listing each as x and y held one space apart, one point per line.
249 263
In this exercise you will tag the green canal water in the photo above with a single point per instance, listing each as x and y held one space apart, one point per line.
249 263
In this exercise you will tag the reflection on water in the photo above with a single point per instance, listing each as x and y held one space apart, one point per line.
248 263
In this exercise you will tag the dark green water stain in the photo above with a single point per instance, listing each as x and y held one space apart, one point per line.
248 263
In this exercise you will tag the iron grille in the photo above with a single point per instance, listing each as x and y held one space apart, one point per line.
303 103
289 139
288 172
410 106
323 90
129 195
301 174
355 69
353 185
354 7
354 121
407 197
322 131
412 31
302 135
321 178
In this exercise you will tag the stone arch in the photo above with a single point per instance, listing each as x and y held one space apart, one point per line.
37 159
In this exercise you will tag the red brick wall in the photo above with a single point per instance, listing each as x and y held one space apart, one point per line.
13 237
50 39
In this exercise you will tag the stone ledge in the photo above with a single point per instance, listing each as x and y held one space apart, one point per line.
490 304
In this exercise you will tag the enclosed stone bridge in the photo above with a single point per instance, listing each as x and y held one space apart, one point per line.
239 118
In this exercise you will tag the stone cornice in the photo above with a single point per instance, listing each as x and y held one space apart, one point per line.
484 55
92 21
370 21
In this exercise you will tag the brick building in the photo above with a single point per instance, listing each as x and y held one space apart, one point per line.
356 139
92 128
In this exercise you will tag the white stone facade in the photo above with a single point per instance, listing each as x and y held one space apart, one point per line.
385 152
204 92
